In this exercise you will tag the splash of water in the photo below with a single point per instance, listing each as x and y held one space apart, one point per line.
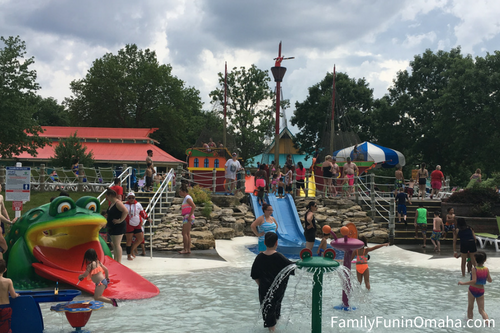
271 292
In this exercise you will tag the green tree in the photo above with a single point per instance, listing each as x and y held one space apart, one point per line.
70 148
354 99
50 113
131 89
20 132
250 112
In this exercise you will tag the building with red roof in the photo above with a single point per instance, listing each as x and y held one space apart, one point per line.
110 146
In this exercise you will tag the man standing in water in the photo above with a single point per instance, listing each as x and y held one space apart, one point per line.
266 267
350 169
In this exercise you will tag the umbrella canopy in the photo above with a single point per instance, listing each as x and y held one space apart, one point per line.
367 151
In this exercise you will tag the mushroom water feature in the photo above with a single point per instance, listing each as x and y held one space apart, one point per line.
317 266
348 244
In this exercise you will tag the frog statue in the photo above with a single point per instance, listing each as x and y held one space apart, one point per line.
48 243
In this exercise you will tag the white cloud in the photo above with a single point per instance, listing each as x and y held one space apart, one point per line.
412 41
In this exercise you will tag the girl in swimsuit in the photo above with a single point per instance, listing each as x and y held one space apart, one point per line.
97 273
422 180
362 257
480 275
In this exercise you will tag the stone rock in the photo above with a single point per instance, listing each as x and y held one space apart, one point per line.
227 211
200 234
215 208
355 208
239 228
198 223
228 219
359 214
322 209
203 244
320 218
242 209
225 200
249 220
177 201
331 212
215 215
223 233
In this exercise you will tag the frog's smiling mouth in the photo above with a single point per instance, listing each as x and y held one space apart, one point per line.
61 244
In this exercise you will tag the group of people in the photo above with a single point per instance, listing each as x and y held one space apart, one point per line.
332 171
270 179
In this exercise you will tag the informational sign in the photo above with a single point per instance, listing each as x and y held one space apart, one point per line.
17 206
17 184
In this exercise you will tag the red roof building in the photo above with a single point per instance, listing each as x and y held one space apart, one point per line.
112 146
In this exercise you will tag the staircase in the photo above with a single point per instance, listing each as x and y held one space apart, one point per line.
403 234
158 211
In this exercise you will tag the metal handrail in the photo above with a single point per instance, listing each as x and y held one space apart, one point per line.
165 186
126 174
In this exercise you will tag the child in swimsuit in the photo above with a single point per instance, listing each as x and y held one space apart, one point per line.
97 273
437 231
323 244
281 188
409 189
274 183
480 275
361 256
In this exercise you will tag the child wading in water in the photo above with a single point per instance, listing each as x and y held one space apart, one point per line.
361 256
437 231
480 275
96 272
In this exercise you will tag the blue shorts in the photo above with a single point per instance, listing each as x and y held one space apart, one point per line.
436 235
402 209
104 282
449 227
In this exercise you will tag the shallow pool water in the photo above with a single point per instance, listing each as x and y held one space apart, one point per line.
226 300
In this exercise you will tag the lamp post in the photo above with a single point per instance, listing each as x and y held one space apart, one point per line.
278 74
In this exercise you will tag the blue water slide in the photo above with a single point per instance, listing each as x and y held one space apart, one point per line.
290 231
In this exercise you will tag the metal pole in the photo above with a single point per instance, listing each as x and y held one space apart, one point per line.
214 179
332 124
225 106
372 194
392 220
307 184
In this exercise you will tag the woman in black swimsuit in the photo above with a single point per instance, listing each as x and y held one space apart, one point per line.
422 180
310 225
117 213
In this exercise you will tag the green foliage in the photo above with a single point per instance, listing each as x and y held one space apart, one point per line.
443 110
200 194
207 210
131 89
476 195
249 108
70 148
20 132
312 116
50 113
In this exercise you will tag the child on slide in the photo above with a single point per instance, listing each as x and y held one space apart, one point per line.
361 256
96 272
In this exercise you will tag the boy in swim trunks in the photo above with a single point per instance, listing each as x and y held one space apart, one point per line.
6 288
323 244
450 222
437 230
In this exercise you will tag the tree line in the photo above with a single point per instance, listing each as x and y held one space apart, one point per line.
442 110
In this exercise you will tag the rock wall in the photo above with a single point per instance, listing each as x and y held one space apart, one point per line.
337 212
234 218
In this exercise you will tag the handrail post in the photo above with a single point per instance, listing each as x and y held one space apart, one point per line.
80 178
294 185
356 188
307 185
392 220
372 194
178 178
214 180
42 177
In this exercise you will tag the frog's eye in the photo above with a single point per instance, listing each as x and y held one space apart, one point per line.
91 206
63 207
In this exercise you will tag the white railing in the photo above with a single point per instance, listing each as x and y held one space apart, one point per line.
165 187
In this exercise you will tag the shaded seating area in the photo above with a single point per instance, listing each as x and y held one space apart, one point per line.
484 238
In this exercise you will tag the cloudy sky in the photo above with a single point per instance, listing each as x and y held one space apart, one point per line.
364 38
